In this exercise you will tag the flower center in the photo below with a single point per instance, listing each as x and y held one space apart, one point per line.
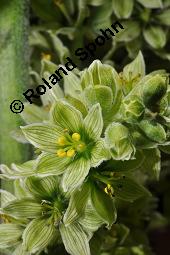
70 145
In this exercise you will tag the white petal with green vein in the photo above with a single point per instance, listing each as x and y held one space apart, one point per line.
75 240
94 122
10 234
75 174
66 116
43 136
23 208
51 164
5 197
99 153
37 235
77 204
42 187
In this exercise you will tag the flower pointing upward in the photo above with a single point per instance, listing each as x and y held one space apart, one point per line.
70 145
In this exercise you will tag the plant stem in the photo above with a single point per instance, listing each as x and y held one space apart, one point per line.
14 56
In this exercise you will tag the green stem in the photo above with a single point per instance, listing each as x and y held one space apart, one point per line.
14 74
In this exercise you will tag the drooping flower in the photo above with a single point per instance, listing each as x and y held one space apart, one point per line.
70 145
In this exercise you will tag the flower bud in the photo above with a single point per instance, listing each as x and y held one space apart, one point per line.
153 91
118 140
133 108
154 131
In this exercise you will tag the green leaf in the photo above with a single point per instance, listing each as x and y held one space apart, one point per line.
118 140
10 235
77 204
123 9
104 205
151 4
33 113
101 16
23 208
75 174
127 189
132 30
43 136
94 122
164 17
75 240
155 37
50 164
67 117
37 235
42 188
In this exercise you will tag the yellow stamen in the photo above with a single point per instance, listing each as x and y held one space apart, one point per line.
61 153
61 140
70 153
46 56
109 190
76 137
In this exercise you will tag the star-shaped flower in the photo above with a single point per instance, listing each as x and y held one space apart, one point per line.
36 221
70 145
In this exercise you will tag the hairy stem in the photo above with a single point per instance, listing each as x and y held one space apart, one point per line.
13 74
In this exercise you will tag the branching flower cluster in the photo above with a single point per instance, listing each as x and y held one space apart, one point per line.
91 137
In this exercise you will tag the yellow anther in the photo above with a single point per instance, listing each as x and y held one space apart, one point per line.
76 137
61 153
61 140
46 56
109 190
70 153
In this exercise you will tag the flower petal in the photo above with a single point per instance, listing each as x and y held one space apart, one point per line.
9 235
67 117
51 164
38 234
99 153
5 197
23 208
77 204
43 136
42 188
94 122
75 174
75 240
